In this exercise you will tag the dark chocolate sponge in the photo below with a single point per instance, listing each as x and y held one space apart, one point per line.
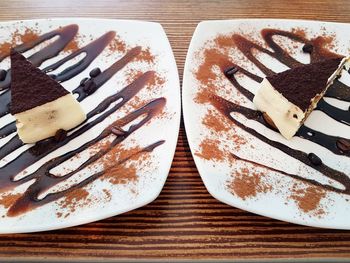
301 84
30 87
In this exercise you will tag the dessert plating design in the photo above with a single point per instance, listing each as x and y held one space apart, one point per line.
42 179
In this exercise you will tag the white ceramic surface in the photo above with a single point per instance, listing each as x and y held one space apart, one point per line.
151 177
276 201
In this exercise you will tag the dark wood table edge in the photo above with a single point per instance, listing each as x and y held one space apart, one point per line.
109 260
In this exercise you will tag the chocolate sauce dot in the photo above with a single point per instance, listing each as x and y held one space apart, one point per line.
95 72
295 116
3 74
308 48
343 145
60 135
90 87
314 159
82 82
229 72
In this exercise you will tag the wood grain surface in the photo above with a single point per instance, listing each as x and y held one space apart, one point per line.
185 222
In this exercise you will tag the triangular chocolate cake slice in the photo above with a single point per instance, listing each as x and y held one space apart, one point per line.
40 105
288 98
30 87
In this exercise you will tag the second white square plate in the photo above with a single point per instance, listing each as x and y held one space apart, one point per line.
242 161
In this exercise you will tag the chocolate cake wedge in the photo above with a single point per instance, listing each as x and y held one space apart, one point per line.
40 104
286 99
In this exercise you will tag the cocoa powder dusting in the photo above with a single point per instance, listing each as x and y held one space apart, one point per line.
205 73
213 59
146 56
72 45
75 199
203 96
224 41
247 183
152 89
121 174
210 150
299 31
132 74
155 81
28 35
117 45
125 172
136 102
238 141
323 44
9 199
213 120
308 199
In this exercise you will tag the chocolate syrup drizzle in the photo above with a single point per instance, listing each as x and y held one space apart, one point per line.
337 90
42 178
226 107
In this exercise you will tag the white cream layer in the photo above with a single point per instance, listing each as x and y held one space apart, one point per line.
45 120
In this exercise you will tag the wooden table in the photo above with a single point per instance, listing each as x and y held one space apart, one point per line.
185 222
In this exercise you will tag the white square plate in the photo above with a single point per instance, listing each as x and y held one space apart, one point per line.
242 161
137 167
